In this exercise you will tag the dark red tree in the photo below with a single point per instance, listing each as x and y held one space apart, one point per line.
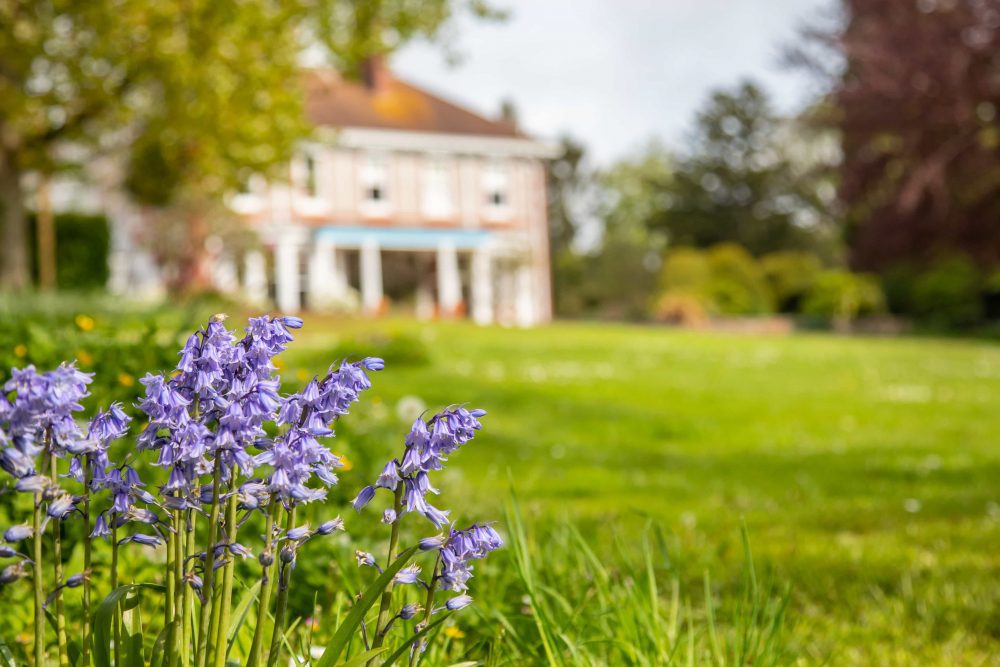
918 105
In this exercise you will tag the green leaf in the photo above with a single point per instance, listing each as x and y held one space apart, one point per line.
353 619
159 647
398 653
240 614
363 658
6 657
132 654
105 613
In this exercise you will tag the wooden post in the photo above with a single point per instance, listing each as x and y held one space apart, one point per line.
46 231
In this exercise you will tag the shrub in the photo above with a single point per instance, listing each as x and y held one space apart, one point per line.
82 245
948 294
843 296
737 285
790 275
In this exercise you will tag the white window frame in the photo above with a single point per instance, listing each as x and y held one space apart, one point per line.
374 173
437 195
496 180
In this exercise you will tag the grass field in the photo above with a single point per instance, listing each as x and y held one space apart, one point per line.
865 469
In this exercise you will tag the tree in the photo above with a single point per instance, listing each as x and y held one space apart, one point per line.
748 177
917 107
200 93
353 31
567 183
65 67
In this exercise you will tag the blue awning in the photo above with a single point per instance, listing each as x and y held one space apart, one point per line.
402 238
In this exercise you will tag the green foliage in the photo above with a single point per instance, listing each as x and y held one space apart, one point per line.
790 275
83 243
725 279
948 294
354 30
117 341
748 177
736 282
843 295
395 347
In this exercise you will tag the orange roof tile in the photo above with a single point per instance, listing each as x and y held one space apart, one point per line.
391 104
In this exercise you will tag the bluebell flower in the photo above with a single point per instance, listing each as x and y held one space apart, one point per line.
365 559
7 552
458 602
298 533
363 498
140 538
12 573
408 575
464 546
410 611
328 527
432 543
18 533
389 516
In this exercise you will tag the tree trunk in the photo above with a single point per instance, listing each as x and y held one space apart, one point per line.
14 274
46 233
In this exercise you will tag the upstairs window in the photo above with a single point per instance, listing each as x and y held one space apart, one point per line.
496 189
374 185
309 177
437 191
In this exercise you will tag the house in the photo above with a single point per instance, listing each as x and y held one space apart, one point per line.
400 197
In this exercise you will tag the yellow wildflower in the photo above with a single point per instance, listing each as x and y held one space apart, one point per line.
301 374
346 464
20 350
126 380
85 322
84 357
453 632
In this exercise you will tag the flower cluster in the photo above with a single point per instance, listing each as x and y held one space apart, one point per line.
232 447
428 446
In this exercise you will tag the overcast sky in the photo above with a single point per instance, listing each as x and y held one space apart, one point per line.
616 73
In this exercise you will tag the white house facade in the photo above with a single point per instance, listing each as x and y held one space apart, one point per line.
398 182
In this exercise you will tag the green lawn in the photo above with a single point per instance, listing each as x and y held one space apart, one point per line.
866 469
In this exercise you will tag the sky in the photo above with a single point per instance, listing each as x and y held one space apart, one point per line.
615 74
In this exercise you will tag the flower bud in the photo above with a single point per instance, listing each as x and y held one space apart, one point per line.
458 602
17 533
409 611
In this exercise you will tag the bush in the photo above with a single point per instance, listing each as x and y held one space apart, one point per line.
82 245
948 294
844 296
790 275
737 285
725 279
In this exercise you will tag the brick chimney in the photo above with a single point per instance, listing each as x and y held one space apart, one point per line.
375 73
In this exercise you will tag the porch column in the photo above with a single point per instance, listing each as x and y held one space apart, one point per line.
321 276
255 278
482 287
449 282
371 276
286 276
524 299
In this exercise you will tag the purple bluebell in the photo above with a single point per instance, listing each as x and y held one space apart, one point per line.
363 498
408 575
458 602
389 516
140 538
410 611
365 559
12 573
61 506
7 552
18 533
464 546
432 543
76 580
298 533
427 447
328 527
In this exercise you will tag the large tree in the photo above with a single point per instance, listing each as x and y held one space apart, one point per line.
917 106
747 177
199 92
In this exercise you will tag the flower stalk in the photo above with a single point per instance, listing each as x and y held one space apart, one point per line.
268 566
382 625
205 625
37 572
281 604
58 573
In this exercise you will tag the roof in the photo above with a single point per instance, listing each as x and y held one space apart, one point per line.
391 104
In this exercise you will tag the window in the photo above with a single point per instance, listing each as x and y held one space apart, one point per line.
437 194
310 175
374 181
496 188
